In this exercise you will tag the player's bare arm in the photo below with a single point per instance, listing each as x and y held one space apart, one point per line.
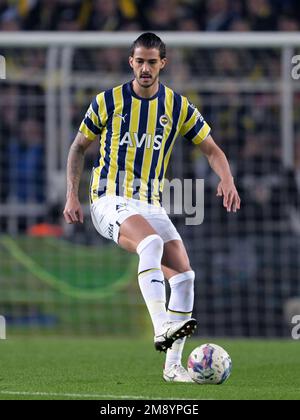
73 211
219 163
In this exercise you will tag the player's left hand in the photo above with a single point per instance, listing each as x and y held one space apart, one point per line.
231 198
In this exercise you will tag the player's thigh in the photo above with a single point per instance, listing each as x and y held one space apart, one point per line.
175 259
115 219
133 230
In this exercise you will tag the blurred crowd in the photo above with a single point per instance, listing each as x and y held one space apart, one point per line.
246 124
22 146
158 15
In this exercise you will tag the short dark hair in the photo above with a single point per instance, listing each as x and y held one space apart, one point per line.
149 40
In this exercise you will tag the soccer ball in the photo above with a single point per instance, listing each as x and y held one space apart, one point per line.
209 364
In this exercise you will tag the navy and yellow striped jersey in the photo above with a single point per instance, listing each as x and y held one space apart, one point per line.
137 136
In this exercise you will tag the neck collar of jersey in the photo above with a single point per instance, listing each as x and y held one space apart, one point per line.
140 97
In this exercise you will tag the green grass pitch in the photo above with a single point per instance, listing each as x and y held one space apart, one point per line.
117 369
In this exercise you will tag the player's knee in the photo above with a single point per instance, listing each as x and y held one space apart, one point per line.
186 268
151 244
150 251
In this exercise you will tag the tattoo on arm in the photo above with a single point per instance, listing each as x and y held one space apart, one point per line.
74 168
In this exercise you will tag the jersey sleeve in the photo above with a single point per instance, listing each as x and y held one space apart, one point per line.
194 128
91 125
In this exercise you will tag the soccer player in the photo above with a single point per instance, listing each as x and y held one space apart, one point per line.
138 123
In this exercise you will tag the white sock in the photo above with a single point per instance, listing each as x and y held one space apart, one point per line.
151 280
180 309
174 354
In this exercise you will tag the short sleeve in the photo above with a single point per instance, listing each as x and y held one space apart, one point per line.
91 125
194 128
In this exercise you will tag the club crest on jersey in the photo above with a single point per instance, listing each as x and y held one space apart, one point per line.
164 120
138 141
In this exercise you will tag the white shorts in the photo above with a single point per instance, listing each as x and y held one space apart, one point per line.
109 212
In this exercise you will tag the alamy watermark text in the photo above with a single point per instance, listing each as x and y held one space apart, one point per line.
296 68
2 67
177 196
296 329
2 328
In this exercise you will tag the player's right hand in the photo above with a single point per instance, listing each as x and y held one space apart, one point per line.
73 212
